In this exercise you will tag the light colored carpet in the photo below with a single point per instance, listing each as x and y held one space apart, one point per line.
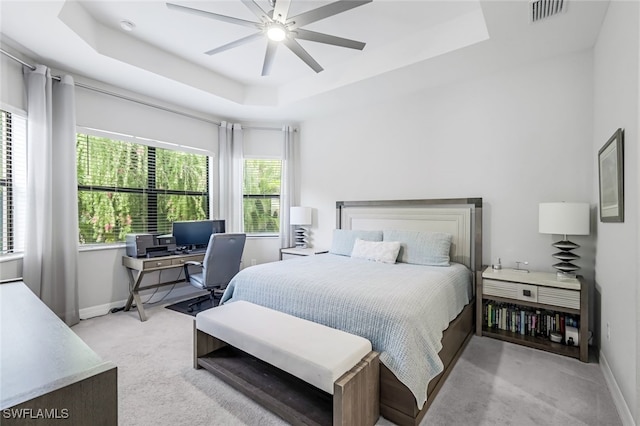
493 383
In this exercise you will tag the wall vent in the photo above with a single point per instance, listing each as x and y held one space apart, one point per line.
543 9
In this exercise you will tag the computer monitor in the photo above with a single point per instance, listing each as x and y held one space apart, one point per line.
195 234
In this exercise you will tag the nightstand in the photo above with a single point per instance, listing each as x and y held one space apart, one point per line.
525 308
293 252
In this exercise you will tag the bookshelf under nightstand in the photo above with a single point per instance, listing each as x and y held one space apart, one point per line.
524 308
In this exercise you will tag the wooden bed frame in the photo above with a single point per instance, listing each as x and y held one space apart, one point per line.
461 217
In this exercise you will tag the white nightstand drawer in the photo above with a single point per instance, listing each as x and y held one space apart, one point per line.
510 290
559 297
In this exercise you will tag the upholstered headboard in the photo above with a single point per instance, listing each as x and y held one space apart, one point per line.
460 217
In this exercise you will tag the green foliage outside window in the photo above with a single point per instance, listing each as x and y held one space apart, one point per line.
261 189
127 188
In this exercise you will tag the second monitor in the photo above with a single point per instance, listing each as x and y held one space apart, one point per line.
195 234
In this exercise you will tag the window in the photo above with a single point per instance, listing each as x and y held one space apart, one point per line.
13 180
125 187
261 196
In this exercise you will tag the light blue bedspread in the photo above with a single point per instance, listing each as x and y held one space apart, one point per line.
401 308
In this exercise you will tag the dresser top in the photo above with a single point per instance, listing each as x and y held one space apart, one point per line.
40 353
549 279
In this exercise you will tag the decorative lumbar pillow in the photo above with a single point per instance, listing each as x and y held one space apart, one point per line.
421 247
344 239
378 251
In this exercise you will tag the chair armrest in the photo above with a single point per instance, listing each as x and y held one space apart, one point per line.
185 266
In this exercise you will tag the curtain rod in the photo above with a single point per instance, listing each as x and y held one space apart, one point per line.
130 99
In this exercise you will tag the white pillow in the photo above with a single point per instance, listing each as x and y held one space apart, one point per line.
379 251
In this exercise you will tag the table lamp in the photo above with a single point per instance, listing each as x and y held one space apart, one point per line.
300 217
564 219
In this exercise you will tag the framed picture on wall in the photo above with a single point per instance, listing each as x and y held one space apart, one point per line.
611 175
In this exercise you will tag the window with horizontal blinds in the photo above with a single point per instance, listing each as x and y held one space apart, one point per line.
261 195
125 187
13 181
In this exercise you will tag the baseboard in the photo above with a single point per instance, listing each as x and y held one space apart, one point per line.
616 393
177 293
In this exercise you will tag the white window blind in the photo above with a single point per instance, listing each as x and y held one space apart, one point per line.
126 187
261 195
13 181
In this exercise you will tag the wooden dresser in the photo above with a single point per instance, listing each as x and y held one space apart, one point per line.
49 375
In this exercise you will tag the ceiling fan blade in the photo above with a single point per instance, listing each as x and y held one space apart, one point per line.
212 15
281 10
323 12
269 55
295 47
328 39
256 10
239 42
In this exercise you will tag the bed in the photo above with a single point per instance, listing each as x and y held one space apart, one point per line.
419 317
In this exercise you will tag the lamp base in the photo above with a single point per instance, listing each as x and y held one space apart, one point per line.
566 275
301 237
566 269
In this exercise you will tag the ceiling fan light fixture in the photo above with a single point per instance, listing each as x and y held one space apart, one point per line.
276 32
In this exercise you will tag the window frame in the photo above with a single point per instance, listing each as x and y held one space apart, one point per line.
261 196
149 190
13 182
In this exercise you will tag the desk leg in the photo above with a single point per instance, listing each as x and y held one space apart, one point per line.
134 284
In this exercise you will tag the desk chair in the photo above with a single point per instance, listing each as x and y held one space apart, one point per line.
221 263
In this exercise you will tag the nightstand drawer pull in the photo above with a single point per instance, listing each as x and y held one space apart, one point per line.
526 293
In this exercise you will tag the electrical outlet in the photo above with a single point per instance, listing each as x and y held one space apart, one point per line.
608 332
253 262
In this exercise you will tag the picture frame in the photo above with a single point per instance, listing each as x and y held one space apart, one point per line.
611 178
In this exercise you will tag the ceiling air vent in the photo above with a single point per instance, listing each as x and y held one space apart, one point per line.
543 9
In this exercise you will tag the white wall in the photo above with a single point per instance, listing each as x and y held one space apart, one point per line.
616 81
515 138
12 92
106 112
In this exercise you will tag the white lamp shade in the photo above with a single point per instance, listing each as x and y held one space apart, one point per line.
564 218
300 216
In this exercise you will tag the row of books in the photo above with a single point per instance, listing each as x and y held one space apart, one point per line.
526 321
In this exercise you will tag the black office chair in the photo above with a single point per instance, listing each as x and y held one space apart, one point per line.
221 263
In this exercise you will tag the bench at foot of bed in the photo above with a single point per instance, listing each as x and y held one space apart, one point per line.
303 371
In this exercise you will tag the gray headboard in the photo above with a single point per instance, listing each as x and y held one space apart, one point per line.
460 217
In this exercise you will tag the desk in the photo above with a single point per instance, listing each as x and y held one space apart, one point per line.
143 265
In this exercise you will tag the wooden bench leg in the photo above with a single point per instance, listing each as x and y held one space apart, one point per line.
356 394
203 344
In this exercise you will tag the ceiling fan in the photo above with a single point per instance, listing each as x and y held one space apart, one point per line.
278 27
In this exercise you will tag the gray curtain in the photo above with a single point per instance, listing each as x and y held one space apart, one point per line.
50 265
230 163
287 190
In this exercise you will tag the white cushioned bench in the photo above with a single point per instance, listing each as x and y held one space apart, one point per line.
336 362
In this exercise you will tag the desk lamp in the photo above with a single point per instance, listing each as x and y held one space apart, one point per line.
564 219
